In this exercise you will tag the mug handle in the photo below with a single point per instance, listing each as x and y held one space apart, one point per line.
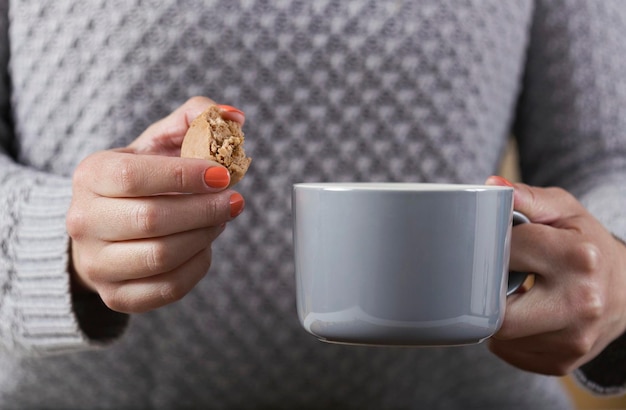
517 279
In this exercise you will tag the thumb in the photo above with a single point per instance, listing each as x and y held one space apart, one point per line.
165 136
541 205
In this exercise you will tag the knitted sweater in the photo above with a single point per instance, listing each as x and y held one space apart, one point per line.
333 90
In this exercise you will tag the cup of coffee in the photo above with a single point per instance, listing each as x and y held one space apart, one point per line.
407 264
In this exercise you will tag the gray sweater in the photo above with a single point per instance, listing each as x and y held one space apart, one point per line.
342 90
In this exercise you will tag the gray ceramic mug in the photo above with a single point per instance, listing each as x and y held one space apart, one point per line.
403 263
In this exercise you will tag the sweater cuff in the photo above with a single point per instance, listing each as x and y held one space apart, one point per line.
606 374
43 304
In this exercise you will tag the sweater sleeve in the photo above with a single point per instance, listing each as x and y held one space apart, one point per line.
38 314
571 127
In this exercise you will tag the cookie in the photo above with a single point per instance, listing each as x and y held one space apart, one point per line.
211 137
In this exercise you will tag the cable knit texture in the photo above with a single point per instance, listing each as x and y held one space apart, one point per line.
333 90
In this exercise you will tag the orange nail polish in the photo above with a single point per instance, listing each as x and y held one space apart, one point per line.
230 108
236 204
501 180
217 177
231 113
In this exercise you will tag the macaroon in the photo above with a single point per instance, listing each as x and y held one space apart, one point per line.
214 138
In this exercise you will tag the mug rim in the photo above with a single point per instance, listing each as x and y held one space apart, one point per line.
399 186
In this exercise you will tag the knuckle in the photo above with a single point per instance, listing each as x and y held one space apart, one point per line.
587 258
89 269
82 173
213 212
157 257
580 345
146 218
126 175
590 302
587 298
76 222
171 292
86 266
180 177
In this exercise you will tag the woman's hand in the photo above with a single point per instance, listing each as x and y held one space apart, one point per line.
142 219
576 306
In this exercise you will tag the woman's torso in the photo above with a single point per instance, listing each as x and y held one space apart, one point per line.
332 91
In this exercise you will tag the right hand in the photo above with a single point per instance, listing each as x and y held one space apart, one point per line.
142 219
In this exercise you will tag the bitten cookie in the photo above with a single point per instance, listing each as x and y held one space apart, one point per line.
211 137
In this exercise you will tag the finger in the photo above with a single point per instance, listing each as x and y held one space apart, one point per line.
542 309
166 136
123 175
564 295
233 114
542 249
551 206
145 294
542 205
535 312
558 301
521 354
564 345
135 259
158 216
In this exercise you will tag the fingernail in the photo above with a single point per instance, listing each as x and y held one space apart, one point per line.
217 177
236 204
231 113
498 180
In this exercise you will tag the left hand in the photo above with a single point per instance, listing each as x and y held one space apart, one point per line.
576 306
